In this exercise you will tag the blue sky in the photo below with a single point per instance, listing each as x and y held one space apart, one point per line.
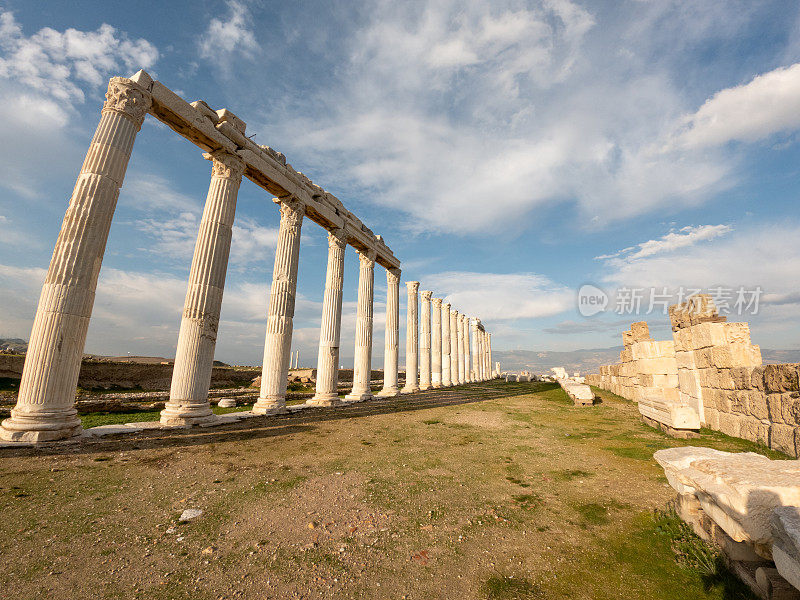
509 152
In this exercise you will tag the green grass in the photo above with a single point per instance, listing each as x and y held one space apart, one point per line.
505 587
106 418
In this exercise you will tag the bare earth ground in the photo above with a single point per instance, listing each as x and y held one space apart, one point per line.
489 490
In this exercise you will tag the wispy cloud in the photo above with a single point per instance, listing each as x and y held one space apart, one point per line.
228 37
683 238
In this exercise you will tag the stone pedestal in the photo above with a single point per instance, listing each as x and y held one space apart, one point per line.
362 365
283 293
45 408
194 358
425 342
327 393
390 387
446 380
412 339
436 343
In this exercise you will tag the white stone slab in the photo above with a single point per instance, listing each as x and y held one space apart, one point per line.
103 430
785 522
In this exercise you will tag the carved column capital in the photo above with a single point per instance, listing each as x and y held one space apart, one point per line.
426 295
393 276
337 238
292 210
226 165
437 303
413 286
128 99
367 257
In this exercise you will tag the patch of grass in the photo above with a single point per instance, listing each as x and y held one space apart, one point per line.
570 474
593 513
696 555
431 421
518 482
505 587
527 501
224 411
106 418
633 452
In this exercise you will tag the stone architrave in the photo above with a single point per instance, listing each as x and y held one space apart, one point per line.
476 353
436 343
327 388
280 315
460 326
412 338
425 342
454 347
390 387
446 375
194 358
362 361
45 408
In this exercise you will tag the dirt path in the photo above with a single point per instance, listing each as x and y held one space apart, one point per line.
487 491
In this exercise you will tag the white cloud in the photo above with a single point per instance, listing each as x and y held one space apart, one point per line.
501 297
684 238
225 38
753 111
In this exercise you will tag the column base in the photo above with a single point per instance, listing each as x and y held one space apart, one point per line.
187 413
410 390
358 396
47 426
390 392
436 384
270 406
324 400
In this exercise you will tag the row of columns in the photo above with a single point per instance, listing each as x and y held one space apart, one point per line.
438 344
45 409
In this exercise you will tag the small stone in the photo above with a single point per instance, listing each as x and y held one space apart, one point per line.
189 514
209 550
312 525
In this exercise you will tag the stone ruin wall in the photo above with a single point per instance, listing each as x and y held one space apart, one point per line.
717 372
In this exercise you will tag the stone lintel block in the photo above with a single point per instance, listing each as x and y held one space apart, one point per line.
143 79
204 109
226 116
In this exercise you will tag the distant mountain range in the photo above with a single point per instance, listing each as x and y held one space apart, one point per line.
589 361
15 345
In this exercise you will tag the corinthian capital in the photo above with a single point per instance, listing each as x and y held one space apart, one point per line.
426 295
367 257
292 210
393 276
225 164
337 238
413 286
437 303
128 99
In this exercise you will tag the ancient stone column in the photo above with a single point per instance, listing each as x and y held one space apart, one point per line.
484 346
45 408
425 342
327 390
467 367
436 343
476 350
362 361
454 347
194 357
282 296
412 339
489 363
446 380
390 387
460 326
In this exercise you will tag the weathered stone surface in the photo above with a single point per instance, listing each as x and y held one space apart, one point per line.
739 491
785 521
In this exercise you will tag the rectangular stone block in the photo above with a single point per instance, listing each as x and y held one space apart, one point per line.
725 380
626 355
737 333
707 378
688 382
656 366
627 339
782 438
712 418
754 430
775 407
782 378
758 405
665 380
757 379
640 331
645 380
719 399
790 408
682 339
741 377
703 358
684 360
730 424
708 334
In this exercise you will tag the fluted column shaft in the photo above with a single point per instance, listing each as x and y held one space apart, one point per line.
467 366
412 338
489 355
45 408
280 315
194 358
476 350
390 387
454 347
446 375
436 343
327 390
362 361
484 373
460 326
425 342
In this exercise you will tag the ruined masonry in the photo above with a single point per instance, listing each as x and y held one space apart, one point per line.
45 408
